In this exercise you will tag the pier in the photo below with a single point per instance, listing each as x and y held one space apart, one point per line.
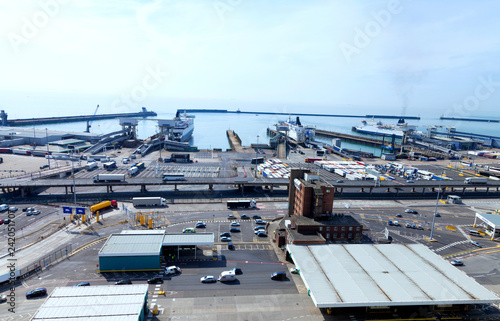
471 119
234 141
354 138
219 111
68 119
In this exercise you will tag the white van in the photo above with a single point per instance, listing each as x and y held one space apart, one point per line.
172 270
125 160
227 276
4 207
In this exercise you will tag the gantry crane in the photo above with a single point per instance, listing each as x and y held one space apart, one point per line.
89 122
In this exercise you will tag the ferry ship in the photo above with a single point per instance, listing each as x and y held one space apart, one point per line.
298 132
373 127
183 127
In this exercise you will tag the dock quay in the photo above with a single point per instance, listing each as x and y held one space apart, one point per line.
234 141
471 119
68 119
354 139
194 111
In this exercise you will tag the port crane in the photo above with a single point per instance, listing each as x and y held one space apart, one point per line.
89 122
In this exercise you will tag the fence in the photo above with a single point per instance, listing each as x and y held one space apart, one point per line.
51 259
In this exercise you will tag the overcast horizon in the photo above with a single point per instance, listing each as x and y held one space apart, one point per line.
335 57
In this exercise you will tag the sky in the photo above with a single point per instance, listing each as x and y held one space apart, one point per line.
62 57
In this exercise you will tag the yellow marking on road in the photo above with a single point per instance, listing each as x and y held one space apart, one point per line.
452 228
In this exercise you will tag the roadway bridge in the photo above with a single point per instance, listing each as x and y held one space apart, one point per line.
366 188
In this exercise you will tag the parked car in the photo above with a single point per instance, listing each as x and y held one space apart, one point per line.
256 217
155 279
44 166
1 221
260 222
82 284
411 211
36 292
259 227
389 223
294 270
457 263
399 215
235 224
231 216
234 230
208 279
278 276
437 215
201 225
476 244
13 209
123 281
225 234
340 181
230 246
237 270
189 230
410 181
261 233
172 270
244 217
408 225
6 221
225 239
35 212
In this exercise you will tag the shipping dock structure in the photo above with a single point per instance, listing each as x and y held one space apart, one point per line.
67 119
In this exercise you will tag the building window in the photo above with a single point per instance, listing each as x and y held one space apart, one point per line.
357 235
357 228
343 228
349 236
328 229
334 235
342 235
321 228
335 228
327 236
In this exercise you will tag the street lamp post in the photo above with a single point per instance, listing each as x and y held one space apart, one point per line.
435 212
256 162
47 142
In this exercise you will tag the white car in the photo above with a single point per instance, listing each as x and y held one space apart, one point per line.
172 270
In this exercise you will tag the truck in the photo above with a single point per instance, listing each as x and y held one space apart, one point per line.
8 274
91 166
109 178
103 205
476 180
312 160
109 165
241 204
149 201
133 170
140 165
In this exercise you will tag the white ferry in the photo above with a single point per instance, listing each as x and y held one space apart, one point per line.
298 132
373 127
183 128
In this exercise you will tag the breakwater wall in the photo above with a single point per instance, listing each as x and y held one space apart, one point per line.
195 111
68 119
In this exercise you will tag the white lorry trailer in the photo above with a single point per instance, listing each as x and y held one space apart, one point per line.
476 180
109 178
91 166
149 201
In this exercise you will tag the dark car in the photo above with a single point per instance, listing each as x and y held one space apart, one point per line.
123 281
261 234
244 217
256 217
155 279
225 239
399 215
437 215
201 225
6 221
278 276
231 216
230 246
36 292
225 234
237 270
234 229
82 284
260 222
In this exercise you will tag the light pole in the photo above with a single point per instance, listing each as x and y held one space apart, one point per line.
47 142
435 212
256 162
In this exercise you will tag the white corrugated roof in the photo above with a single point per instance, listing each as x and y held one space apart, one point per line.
189 239
94 303
143 232
383 275
492 219
132 244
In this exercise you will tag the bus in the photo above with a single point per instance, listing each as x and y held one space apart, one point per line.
173 177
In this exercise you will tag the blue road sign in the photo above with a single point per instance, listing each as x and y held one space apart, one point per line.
80 210
67 209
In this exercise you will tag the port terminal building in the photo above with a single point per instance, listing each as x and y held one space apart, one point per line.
389 276
491 222
143 250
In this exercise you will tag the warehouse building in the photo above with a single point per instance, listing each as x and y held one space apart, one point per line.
102 302
387 276
143 250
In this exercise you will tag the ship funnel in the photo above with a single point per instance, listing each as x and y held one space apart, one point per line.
298 121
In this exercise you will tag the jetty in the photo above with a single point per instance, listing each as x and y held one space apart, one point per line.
68 119
483 120
219 111
234 141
